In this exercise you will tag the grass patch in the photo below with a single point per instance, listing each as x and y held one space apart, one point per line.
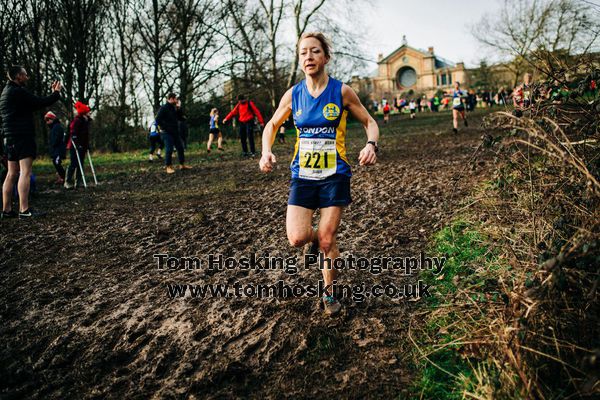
469 258
325 344
451 369
438 384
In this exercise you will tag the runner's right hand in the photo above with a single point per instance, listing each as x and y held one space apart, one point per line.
267 162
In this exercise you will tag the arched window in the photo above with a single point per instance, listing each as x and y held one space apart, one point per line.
406 78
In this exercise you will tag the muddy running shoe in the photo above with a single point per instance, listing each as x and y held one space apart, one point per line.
183 166
455 131
208 151
331 306
466 123
27 214
220 149
68 186
170 169
8 214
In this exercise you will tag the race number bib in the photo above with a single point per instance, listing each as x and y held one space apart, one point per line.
456 101
526 95
317 158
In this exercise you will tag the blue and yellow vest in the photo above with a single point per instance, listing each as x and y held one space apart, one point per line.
320 132
457 98
214 123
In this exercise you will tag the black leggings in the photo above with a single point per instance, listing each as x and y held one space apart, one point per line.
74 164
155 141
57 162
247 131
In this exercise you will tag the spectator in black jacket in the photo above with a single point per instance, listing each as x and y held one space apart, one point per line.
16 111
168 121
56 144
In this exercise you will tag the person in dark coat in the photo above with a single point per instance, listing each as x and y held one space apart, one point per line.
16 112
56 143
168 121
79 143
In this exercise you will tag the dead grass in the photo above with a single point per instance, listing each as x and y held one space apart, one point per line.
519 315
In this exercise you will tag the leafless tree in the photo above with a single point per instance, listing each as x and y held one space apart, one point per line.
304 11
37 38
152 25
11 46
195 25
272 52
524 30
127 54
257 38
120 61
80 43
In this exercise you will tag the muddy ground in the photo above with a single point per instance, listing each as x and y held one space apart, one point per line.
85 311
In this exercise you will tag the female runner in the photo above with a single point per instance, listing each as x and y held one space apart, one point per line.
320 168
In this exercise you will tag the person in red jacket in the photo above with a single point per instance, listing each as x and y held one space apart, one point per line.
386 113
79 142
246 110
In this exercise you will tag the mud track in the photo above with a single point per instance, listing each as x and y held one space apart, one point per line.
85 312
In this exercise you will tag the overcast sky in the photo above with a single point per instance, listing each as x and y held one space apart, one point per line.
443 24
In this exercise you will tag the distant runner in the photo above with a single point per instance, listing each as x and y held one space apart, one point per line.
458 106
412 106
214 131
523 94
386 113
155 141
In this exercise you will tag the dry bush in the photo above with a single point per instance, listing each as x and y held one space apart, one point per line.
547 218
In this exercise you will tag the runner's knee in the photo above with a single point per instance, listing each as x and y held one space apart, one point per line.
297 239
12 175
326 241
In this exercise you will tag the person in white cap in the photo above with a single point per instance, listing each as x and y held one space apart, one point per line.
56 145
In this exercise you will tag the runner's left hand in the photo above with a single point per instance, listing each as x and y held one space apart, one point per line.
367 155
267 161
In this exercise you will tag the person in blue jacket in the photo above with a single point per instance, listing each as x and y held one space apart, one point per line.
56 145
155 141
